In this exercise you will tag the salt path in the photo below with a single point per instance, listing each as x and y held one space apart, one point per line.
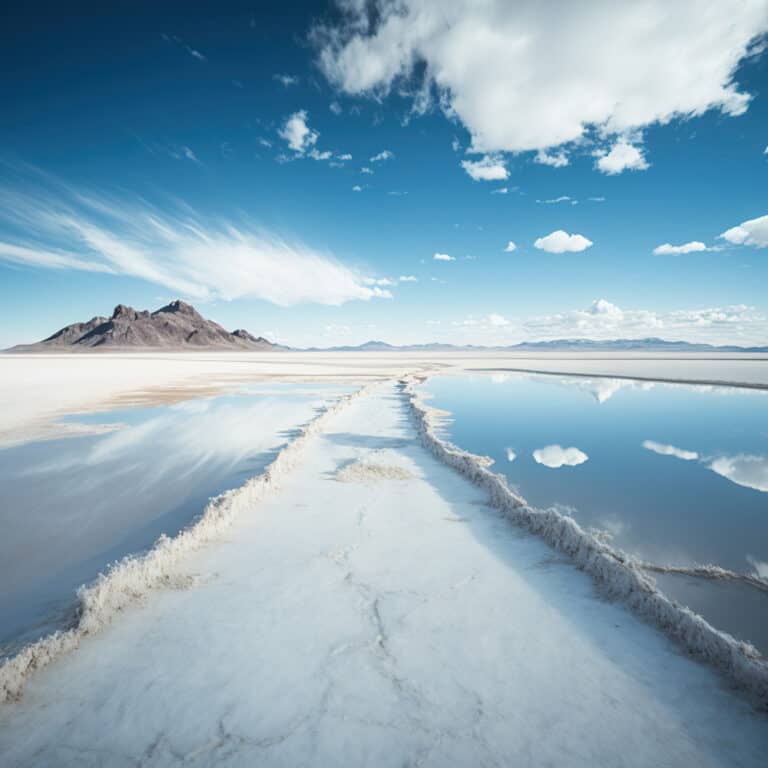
373 610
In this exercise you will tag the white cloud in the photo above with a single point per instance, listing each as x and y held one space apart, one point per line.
486 169
671 250
748 471
58 227
297 133
286 80
738 324
510 247
184 153
365 169
345 157
596 199
752 232
670 450
511 455
561 242
623 156
335 107
553 159
316 154
554 200
500 191
443 257
357 188
497 321
555 456
382 281
520 82
456 145
408 279
385 154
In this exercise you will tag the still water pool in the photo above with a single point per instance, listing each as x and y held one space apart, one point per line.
674 474
70 507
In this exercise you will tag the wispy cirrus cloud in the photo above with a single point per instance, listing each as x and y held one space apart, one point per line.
52 225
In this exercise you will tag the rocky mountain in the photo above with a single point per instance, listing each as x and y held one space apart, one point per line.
177 326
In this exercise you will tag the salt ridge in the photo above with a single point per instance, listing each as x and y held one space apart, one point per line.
618 575
133 577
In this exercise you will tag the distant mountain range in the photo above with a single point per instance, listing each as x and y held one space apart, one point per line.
179 326
651 344
176 326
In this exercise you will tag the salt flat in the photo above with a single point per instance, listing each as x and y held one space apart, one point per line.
37 389
375 611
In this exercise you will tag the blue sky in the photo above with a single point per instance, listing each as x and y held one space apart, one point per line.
203 151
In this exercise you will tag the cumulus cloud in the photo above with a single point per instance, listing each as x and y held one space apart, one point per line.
520 83
365 169
500 191
497 321
511 455
745 470
561 242
357 188
752 232
297 133
670 250
443 257
670 450
286 80
486 169
622 156
553 159
737 324
344 158
408 279
385 154
555 456
510 247
51 225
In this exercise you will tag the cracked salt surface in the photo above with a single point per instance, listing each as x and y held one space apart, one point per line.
359 624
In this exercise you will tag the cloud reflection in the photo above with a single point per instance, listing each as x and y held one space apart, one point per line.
745 470
670 450
555 456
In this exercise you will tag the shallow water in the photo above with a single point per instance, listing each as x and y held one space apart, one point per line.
69 507
674 474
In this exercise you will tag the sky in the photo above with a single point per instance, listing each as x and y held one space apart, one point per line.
332 172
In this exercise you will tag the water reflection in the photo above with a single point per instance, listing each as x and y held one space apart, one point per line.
675 474
68 507
749 471
555 456
670 450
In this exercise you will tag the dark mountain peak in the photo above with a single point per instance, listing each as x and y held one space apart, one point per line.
178 307
177 325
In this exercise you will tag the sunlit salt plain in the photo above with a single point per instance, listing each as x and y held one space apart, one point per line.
69 507
673 474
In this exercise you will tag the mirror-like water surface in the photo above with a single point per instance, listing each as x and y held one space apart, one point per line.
69 507
674 474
